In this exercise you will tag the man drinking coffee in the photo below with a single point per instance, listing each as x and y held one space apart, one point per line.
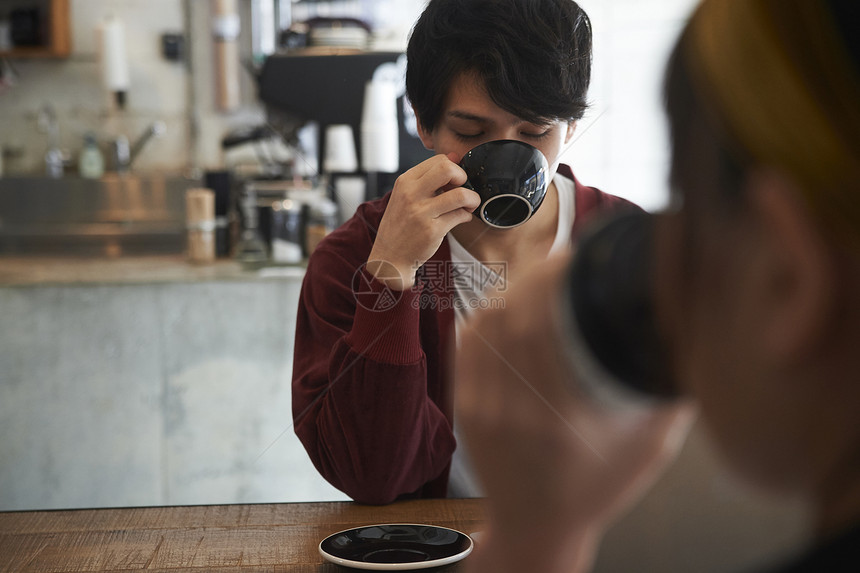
385 293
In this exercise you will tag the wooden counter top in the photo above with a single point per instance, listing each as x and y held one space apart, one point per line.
265 537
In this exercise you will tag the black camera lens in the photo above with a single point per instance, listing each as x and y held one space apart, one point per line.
612 301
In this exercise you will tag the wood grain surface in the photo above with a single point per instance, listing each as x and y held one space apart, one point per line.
265 537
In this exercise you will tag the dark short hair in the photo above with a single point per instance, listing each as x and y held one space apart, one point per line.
533 56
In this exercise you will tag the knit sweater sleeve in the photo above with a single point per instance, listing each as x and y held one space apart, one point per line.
592 203
360 401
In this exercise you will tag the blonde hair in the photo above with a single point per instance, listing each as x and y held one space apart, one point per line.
778 77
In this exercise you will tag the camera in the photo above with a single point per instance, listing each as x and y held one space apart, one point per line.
615 342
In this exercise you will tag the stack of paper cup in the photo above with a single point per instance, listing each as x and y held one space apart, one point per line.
380 145
350 193
340 156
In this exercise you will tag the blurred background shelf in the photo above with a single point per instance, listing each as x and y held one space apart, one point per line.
53 32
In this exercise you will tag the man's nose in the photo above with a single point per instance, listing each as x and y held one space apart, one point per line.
512 133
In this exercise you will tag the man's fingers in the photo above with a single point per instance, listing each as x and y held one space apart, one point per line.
437 173
454 199
453 218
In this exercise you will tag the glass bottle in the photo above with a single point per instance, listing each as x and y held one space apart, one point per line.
91 162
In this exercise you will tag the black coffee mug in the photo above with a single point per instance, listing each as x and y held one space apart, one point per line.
511 178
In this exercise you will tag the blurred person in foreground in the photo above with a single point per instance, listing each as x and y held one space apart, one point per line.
756 282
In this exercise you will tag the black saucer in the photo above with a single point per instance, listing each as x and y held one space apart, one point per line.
396 547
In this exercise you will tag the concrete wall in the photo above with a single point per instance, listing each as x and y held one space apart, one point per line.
150 394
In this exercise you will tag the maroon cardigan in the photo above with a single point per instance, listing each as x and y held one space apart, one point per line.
372 401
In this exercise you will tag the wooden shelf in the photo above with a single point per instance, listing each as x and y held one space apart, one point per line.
59 35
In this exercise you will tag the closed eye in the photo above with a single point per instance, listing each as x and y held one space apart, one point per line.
536 135
468 136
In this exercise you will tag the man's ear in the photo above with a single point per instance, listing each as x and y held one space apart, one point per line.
571 128
425 136
799 275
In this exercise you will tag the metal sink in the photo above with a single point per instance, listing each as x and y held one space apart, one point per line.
119 214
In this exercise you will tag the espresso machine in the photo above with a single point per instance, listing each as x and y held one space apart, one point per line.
305 93
299 88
